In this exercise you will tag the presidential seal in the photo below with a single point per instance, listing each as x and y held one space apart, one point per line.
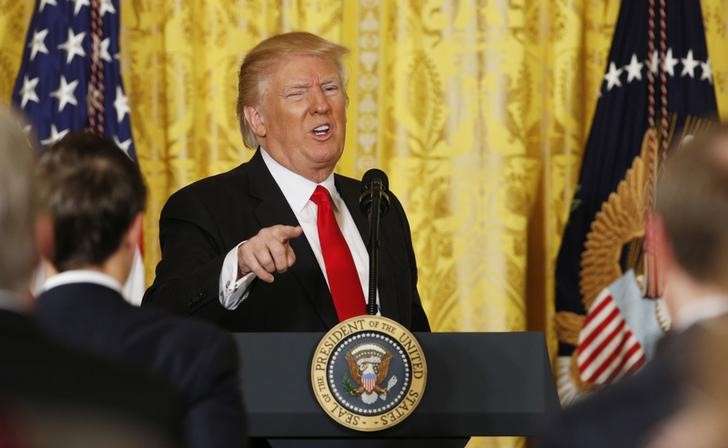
368 373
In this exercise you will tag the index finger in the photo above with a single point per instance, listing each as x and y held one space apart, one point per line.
284 233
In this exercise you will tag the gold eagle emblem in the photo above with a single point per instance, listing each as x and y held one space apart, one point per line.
369 368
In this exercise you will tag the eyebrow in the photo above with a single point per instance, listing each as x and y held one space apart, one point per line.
304 84
297 85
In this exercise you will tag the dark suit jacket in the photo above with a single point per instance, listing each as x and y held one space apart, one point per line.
199 360
38 374
202 222
627 413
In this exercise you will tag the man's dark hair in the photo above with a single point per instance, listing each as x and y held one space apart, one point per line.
692 199
92 191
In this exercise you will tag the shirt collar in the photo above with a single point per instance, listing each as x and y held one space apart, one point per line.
700 309
296 188
82 276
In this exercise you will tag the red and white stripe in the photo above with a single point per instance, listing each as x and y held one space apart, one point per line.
369 381
607 348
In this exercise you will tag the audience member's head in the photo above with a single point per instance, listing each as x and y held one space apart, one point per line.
692 200
692 216
96 197
51 396
18 204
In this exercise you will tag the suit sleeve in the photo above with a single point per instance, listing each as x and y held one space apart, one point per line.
419 318
187 277
216 417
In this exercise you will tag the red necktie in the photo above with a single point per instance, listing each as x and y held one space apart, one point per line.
340 269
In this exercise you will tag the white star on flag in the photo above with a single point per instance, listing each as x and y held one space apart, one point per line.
612 76
54 137
123 145
78 5
73 45
634 69
107 6
104 49
707 72
670 62
43 4
64 93
689 65
28 91
38 43
121 104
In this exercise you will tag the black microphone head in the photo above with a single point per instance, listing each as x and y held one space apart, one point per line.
368 191
374 174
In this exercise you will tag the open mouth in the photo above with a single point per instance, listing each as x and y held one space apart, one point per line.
322 131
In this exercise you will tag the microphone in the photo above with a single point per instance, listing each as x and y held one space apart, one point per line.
374 184
374 202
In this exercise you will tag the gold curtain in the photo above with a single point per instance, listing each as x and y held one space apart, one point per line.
478 110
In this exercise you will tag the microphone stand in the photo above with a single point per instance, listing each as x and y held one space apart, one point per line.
374 218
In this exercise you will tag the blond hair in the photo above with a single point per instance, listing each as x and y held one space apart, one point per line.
257 63
18 203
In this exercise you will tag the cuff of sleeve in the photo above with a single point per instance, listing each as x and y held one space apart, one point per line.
233 290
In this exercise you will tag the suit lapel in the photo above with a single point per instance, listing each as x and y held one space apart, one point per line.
273 209
350 192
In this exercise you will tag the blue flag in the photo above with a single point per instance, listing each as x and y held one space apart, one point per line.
56 74
621 118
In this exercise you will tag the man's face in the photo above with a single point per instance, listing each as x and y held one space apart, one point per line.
303 112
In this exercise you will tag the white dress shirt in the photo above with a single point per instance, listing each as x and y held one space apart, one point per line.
82 276
297 191
698 310
132 291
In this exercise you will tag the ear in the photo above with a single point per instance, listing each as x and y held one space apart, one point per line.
44 238
663 248
255 120
134 234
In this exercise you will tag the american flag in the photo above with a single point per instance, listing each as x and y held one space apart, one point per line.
70 79
55 77
607 347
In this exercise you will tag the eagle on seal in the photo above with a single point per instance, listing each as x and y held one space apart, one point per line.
369 367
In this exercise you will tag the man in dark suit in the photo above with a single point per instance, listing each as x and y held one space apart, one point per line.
96 196
46 390
284 215
690 230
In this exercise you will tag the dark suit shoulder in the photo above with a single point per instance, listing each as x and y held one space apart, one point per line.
98 319
213 186
189 339
39 371
348 182
198 360
622 414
